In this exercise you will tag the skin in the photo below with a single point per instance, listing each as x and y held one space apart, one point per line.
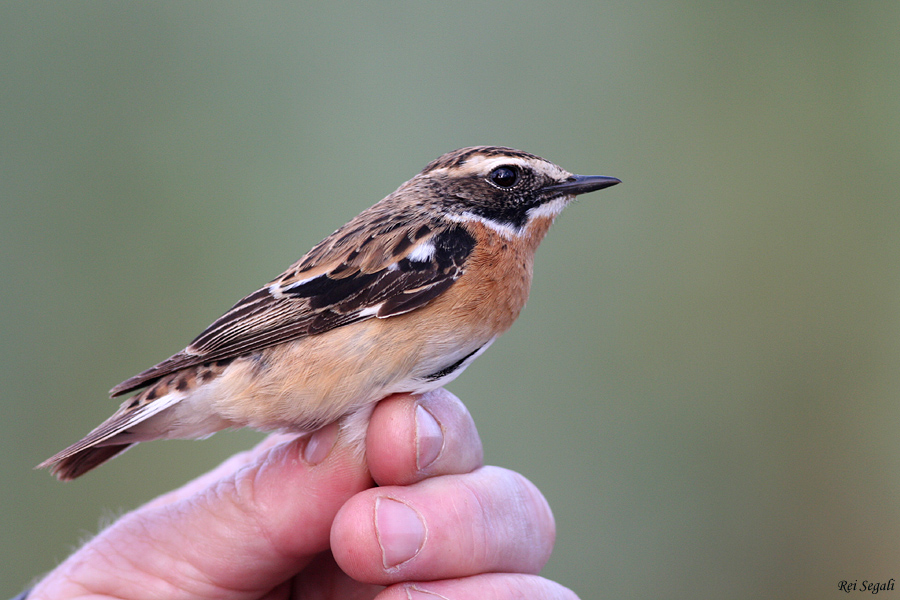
300 518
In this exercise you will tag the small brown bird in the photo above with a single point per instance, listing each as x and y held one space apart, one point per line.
400 299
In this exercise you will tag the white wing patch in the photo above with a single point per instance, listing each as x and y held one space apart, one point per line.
370 311
422 253
275 289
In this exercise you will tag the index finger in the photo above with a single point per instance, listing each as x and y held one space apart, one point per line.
412 438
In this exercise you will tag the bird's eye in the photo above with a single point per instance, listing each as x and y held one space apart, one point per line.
505 176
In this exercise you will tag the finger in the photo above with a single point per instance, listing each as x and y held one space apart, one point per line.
232 539
411 438
228 467
493 586
324 574
491 520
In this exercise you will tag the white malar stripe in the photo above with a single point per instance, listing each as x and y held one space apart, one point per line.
549 209
422 253
506 231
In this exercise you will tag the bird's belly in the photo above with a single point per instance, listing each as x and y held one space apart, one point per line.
308 383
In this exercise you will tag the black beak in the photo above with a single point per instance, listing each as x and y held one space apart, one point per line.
581 184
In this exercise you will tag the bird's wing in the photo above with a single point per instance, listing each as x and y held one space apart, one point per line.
376 268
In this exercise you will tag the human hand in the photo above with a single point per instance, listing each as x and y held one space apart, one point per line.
299 518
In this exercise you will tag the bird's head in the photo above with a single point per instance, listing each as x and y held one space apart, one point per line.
502 187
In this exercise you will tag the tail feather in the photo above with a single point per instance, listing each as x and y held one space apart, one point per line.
110 438
66 465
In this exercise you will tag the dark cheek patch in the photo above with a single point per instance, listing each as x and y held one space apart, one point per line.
504 207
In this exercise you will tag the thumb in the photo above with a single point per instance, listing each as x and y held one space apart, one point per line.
235 533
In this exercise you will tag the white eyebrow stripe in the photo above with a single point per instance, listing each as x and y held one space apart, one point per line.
479 164
422 253
484 164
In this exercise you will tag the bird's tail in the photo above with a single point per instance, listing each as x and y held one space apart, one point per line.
112 437
69 464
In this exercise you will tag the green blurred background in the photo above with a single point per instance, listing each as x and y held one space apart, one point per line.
705 381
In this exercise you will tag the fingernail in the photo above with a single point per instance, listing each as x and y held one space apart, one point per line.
415 593
319 444
429 437
400 531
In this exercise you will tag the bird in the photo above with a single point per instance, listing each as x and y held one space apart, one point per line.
401 299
